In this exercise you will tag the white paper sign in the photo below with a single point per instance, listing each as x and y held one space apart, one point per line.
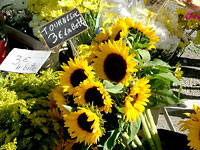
24 61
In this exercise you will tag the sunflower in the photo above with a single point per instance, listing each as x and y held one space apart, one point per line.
93 93
181 13
193 127
84 125
136 101
59 98
113 62
147 34
53 111
185 125
76 72
119 30
103 36
193 135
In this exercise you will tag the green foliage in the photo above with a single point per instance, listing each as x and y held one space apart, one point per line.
24 111
112 88
161 78
162 94
9 146
133 129
111 141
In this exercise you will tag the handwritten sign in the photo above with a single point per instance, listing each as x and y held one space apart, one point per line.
24 61
63 28
155 5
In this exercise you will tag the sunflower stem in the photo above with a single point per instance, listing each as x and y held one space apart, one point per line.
153 129
147 133
125 138
133 145
139 143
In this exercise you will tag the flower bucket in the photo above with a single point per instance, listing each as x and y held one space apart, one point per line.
173 140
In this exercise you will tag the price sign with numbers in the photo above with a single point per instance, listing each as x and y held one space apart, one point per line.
24 61
63 28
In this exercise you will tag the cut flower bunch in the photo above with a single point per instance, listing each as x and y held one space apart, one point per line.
105 98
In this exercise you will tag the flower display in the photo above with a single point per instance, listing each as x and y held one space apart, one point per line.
102 97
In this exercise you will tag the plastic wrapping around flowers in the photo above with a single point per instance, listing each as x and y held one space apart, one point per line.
175 24
105 97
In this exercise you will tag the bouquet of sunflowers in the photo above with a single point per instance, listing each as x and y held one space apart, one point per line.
105 97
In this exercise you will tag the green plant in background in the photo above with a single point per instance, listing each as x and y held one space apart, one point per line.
24 118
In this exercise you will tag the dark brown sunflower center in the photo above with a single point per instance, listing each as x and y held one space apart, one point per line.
134 99
181 16
118 36
115 67
77 146
77 76
84 124
93 95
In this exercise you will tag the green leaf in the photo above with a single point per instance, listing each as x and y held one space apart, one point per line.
111 141
120 109
112 88
169 76
161 94
157 62
145 55
133 129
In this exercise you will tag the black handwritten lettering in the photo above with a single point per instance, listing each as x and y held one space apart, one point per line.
26 59
18 60
18 66
33 67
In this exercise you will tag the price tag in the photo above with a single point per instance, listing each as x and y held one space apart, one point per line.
155 5
63 28
24 61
